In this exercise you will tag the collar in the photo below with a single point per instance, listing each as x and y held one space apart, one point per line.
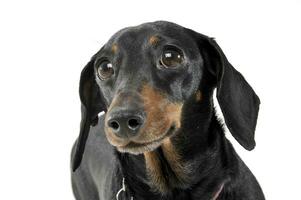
216 195
123 189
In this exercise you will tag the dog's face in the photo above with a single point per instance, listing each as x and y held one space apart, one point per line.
146 74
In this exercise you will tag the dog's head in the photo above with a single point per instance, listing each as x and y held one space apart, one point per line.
142 79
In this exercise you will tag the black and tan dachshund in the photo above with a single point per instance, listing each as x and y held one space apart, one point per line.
160 137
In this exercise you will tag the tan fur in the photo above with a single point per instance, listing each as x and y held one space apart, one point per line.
153 40
174 159
154 171
154 167
114 48
198 96
161 114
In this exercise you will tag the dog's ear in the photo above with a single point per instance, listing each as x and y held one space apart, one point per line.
92 103
238 101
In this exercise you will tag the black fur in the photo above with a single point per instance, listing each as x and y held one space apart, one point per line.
200 140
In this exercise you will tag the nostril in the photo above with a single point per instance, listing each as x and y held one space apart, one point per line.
133 124
114 125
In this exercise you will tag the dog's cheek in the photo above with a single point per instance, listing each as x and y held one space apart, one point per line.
161 113
157 120
174 113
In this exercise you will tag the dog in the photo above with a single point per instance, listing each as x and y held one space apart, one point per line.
159 136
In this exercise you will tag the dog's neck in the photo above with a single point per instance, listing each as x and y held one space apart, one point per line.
179 164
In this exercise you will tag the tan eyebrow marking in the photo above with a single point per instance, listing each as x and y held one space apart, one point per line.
153 40
114 48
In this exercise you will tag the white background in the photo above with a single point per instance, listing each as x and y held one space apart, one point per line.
45 44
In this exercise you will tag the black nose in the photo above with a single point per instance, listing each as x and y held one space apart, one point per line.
125 124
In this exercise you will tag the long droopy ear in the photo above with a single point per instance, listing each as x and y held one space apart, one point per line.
238 101
92 103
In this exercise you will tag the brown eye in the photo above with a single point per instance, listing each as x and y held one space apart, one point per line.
171 57
105 70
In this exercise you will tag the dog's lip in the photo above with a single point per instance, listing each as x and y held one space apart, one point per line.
133 144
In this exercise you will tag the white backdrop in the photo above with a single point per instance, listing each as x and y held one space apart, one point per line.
45 44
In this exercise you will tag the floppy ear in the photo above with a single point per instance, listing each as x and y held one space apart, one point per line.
238 101
92 103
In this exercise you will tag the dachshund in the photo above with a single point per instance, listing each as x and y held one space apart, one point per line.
149 129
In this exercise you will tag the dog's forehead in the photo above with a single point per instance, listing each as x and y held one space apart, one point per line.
139 35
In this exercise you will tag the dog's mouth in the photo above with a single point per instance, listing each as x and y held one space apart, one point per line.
139 148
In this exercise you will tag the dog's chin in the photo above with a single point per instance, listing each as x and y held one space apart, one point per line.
135 148
140 148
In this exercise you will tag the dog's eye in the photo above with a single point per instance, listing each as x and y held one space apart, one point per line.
171 57
105 70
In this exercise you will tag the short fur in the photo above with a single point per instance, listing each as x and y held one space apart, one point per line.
189 156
